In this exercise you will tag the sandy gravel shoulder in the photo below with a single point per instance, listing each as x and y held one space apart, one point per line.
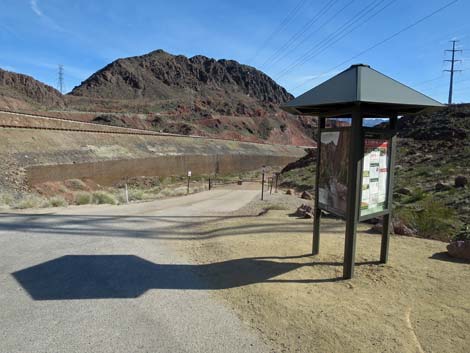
419 302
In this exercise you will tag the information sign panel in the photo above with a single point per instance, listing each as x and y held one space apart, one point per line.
374 176
333 177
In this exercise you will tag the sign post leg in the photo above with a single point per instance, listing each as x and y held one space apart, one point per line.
385 239
317 210
354 181
387 219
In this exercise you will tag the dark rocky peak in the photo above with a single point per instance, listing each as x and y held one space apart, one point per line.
161 75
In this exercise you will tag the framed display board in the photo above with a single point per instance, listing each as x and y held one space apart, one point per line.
333 176
375 176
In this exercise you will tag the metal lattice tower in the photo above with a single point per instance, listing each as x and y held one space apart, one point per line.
60 79
452 68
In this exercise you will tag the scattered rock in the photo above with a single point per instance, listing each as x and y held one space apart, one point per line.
399 228
304 211
442 187
461 181
404 191
459 249
306 196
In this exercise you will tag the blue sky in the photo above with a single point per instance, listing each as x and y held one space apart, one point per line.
85 35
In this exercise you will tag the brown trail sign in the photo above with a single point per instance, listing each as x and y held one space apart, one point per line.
355 161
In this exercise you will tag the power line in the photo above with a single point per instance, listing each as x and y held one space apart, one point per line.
452 68
372 47
60 78
323 11
350 26
290 16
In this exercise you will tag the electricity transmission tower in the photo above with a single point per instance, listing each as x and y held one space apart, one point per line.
452 68
60 79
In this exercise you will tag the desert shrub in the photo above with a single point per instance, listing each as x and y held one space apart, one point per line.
136 195
30 201
434 220
463 234
57 201
103 197
83 198
6 200
76 184
416 195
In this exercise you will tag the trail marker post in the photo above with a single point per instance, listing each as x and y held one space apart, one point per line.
189 178
262 183
357 113
277 182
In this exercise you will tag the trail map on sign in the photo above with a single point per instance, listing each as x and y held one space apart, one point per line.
374 176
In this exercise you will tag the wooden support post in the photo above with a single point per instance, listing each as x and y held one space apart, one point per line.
210 186
317 211
277 182
387 219
354 187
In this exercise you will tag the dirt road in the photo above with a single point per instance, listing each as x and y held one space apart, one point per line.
108 279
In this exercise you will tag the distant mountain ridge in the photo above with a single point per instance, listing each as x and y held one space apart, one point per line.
223 86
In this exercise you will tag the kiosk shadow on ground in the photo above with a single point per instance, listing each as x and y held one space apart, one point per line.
129 276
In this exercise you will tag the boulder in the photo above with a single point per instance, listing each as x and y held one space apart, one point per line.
460 181
459 249
306 196
304 211
399 228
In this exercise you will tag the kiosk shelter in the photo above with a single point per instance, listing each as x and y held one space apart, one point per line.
358 110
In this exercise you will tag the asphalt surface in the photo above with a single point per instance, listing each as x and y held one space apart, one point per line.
110 279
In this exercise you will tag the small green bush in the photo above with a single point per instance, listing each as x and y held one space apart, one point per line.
76 184
57 201
463 234
6 200
30 201
136 195
434 220
83 198
103 197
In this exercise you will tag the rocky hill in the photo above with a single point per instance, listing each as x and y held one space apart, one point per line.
170 93
22 91
160 76
197 95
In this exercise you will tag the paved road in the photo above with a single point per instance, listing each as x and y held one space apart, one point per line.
109 279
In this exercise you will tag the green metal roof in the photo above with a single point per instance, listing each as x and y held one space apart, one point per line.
360 84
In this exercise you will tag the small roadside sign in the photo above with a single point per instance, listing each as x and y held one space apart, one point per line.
189 173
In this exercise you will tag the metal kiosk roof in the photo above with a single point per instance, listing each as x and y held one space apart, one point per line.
360 84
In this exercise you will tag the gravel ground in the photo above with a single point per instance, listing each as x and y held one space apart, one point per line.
418 302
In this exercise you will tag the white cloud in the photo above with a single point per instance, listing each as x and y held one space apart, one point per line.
35 7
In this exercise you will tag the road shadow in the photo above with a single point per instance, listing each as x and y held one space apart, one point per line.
167 227
127 276
444 256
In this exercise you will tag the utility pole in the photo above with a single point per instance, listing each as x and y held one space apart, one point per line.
452 68
60 79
